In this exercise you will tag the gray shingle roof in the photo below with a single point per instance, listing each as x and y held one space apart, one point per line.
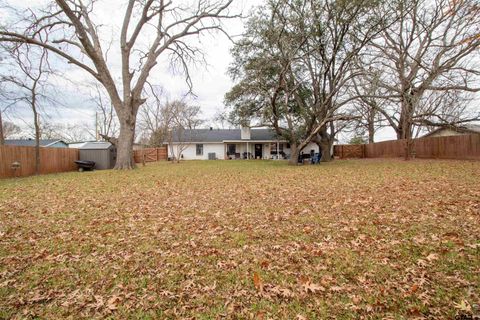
219 135
31 142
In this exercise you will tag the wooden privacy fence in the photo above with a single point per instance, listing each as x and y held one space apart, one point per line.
345 151
150 154
464 147
51 160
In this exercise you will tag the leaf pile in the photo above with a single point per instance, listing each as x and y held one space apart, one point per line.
244 239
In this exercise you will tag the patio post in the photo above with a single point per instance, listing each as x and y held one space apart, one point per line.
278 147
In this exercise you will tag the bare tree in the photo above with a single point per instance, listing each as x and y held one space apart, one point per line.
181 120
2 130
106 122
221 117
367 105
7 130
29 82
150 29
73 133
427 52
152 118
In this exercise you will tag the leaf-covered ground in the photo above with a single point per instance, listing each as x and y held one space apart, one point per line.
379 239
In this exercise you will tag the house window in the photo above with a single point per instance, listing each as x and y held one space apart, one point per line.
231 148
274 147
199 149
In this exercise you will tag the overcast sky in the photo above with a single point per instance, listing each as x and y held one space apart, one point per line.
210 82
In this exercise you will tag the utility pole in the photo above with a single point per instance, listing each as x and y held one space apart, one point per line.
96 126
2 140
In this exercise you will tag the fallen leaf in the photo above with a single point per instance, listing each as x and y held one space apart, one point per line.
432 257
312 287
257 281
463 306
413 288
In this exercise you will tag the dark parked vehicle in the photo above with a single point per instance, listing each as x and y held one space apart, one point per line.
85 165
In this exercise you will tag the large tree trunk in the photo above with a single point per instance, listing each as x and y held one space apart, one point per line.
125 143
371 132
326 155
371 125
293 154
326 144
404 130
409 143
405 127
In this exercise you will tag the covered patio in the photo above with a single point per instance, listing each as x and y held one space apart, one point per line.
241 149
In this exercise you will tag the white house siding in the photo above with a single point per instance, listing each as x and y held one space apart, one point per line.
190 151
446 133
310 146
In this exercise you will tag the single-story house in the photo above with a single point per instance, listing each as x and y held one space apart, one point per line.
454 131
50 143
244 143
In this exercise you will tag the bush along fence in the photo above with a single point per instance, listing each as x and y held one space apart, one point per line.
150 154
19 161
462 147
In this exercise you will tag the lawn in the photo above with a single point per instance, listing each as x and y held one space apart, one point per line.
379 239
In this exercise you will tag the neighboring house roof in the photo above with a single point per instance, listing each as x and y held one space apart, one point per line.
466 129
31 142
96 145
220 135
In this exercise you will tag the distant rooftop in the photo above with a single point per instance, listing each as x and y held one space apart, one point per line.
31 142
472 127
469 128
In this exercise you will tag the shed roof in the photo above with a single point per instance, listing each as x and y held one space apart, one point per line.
220 135
96 145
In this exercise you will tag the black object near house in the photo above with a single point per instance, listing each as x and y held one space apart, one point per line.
85 165
104 154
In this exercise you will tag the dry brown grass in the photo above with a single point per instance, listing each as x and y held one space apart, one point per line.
244 239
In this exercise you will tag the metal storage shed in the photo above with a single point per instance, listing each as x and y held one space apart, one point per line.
103 153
